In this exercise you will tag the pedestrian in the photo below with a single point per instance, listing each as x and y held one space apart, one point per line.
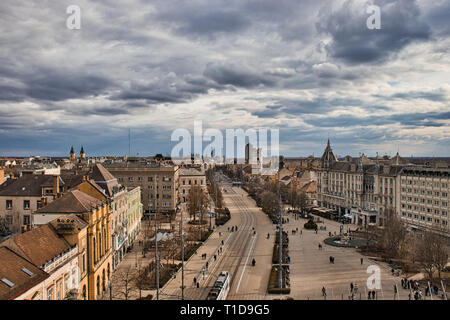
324 292
195 281
207 265
215 257
436 290
351 286
362 261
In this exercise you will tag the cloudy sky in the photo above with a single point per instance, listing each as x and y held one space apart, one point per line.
310 68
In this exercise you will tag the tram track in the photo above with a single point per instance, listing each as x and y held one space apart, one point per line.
238 245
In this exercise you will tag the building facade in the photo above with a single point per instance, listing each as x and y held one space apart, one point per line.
423 198
158 183
20 197
190 177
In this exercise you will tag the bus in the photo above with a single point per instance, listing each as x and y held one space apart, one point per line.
220 288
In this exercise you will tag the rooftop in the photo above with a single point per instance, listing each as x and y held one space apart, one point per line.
17 275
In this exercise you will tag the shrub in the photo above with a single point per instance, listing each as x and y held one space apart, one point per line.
273 282
275 255
310 225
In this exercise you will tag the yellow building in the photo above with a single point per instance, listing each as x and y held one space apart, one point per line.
96 214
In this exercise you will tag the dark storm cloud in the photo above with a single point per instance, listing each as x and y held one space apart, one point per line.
408 119
353 43
57 86
237 75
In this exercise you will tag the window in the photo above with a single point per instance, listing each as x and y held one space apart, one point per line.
50 293
139 178
150 179
39 204
9 204
26 204
26 220
130 179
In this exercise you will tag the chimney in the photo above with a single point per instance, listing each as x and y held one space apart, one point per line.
55 186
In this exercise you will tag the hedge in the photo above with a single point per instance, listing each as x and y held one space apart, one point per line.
272 286
310 225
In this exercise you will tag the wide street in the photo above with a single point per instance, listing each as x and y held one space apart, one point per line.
310 269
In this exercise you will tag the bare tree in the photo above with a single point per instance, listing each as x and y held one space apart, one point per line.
393 237
302 202
270 203
197 201
432 253
125 282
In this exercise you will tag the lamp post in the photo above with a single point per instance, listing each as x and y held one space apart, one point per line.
182 254
156 256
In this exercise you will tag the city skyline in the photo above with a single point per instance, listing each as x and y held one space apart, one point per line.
311 69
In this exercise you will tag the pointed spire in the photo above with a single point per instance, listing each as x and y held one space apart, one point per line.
71 151
82 149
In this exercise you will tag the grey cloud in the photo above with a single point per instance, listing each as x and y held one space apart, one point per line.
353 43
237 75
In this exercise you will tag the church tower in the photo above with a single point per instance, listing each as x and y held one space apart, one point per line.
72 154
82 154
328 157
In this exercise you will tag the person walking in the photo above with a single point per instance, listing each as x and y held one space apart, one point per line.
362 261
324 292
351 286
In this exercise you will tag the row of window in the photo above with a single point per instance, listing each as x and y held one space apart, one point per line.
149 179
423 218
424 183
428 192
26 220
26 204
195 182
423 209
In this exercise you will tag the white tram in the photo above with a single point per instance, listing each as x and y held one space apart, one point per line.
220 288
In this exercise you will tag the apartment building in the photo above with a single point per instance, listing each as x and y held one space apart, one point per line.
158 182
96 213
134 215
361 189
190 177
423 198
20 197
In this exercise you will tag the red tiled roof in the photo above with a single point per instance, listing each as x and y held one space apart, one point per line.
73 201
12 268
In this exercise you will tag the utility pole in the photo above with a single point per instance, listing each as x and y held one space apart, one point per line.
280 254
199 220
156 256
182 254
